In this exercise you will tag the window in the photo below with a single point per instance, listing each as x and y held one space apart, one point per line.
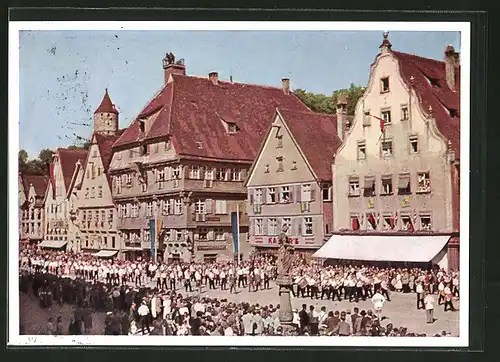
134 210
434 82
142 125
327 192
99 171
279 161
384 85
285 194
388 222
354 222
113 242
424 182
404 113
149 208
386 185
144 187
202 234
118 183
387 148
406 224
103 217
266 168
92 193
306 192
257 198
194 172
271 195
280 141
367 119
110 217
287 222
99 192
308 226
87 193
369 187
371 223
220 207
236 174
128 179
414 144
160 177
220 174
178 235
259 227
386 116
92 170
219 234
167 145
166 207
361 150
425 222
176 172
178 207
199 207
272 226
453 112
294 166
354 187
209 174
404 185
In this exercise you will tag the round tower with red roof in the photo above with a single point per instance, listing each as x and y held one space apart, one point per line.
106 117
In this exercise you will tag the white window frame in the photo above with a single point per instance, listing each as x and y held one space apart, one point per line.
221 207
219 234
236 174
160 177
209 174
423 178
382 86
166 207
354 189
92 192
413 139
386 184
272 226
99 192
176 172
361 146
288 222
199 207
178 207
425 216
285 190
128 180
271 191
221 174
308 221
259 226
257 198
305 192
194 172
118 183
405 112
149 208
387 153
386 116
326 187
134 210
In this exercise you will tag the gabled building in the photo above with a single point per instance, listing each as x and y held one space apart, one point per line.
32 216
397 172
184 159
96 213
290 183
59 230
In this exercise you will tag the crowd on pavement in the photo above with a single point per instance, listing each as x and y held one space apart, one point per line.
142 297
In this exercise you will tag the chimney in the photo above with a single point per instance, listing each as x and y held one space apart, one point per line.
214 77
452 62
170 66
285 85
341 115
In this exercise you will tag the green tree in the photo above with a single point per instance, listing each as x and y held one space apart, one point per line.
23 158
45 157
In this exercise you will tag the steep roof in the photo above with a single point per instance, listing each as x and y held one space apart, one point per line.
105 145
106 105
68 159
316 135
429 82
39 183
192 110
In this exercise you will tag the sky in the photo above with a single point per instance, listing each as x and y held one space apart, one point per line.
63 74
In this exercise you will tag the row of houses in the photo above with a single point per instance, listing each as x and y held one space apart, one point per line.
203 148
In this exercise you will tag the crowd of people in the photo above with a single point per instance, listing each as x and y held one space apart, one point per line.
142 297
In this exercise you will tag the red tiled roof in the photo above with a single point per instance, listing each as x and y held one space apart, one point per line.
190 110
439 97
106 105
316 135
105 145
68 160
39 183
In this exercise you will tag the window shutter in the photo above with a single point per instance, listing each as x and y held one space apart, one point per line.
244 174
264 226
129 208
298 192
264 199
208 206
172 205
251 227
291 193
278 194
313 192
210 235
314 225
166 170
299 226
250 196
202 173
185 172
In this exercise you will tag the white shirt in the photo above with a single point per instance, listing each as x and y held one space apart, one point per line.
143 310
378 300
228 331
429 302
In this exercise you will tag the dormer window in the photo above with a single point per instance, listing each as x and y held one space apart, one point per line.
434 82
142 125
232 128
453 113
200 145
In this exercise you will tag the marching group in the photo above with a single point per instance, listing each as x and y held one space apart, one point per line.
142 297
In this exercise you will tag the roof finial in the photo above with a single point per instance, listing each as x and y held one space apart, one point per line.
386 44
386 34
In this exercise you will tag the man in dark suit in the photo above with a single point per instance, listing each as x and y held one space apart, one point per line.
303 318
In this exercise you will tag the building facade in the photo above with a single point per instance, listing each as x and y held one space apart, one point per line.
398 168
289 185
183 162
32 211
58 226
96 213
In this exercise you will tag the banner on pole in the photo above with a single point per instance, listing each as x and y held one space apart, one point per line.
235 226
152 231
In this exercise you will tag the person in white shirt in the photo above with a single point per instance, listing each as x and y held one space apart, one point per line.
429 307
448 297
420 296
143 312
378 301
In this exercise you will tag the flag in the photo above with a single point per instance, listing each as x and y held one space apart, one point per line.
382 123
152 230
371 219
355 224
235 227
393 222
412 229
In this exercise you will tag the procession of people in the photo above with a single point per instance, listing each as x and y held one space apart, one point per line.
142 297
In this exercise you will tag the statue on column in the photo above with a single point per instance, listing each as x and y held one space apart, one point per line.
285 254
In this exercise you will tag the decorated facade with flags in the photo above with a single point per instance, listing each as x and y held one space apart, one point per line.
290 182
397 171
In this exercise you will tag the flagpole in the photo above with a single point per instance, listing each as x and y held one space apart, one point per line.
238 231
156 232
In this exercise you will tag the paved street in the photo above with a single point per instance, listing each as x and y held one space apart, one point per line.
401 311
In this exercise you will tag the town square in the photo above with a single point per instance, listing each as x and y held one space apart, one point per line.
293 196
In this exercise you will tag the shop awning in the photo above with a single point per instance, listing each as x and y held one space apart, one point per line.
369 182
403 181
53 244
106 253
383 248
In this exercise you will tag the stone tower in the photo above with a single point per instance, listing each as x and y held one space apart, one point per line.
106 117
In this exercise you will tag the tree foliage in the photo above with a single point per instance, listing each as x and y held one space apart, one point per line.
31 167
327 104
